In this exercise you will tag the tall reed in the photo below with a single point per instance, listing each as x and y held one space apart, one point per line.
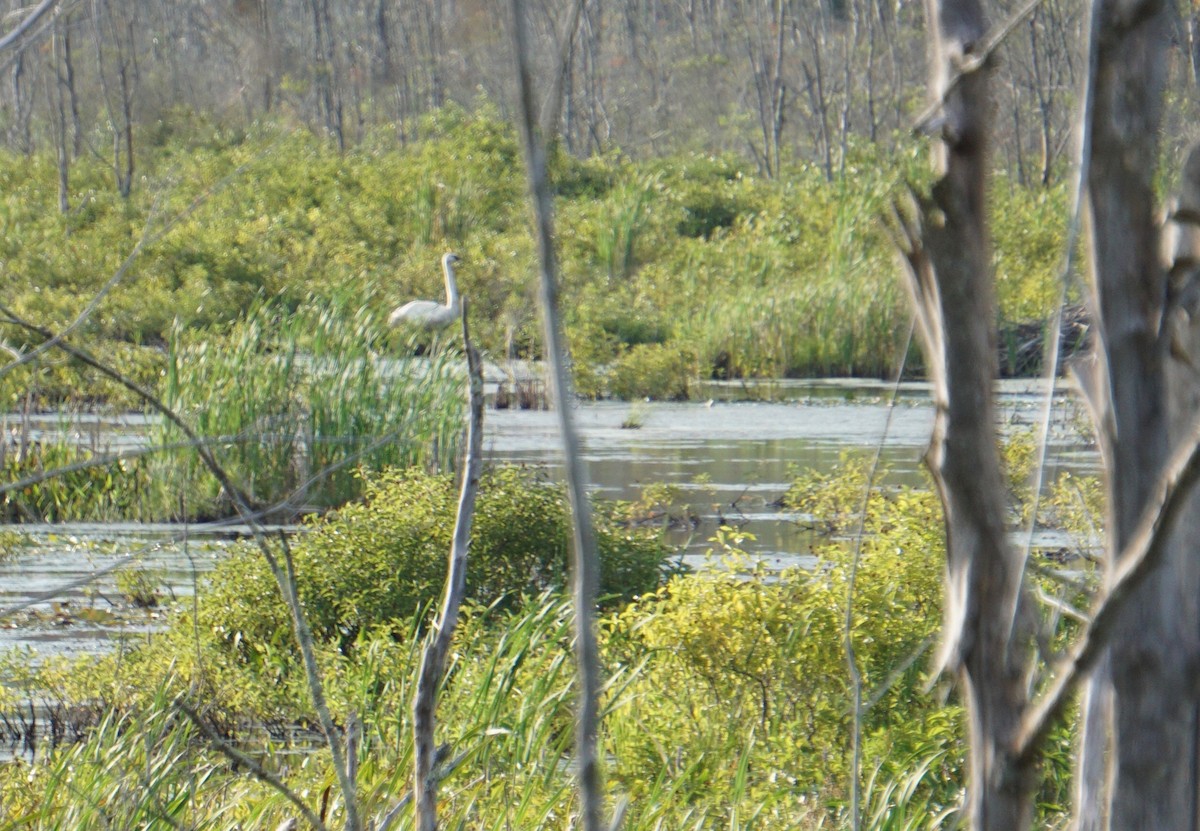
296 403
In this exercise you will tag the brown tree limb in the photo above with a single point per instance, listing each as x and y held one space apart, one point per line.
987 630
437 644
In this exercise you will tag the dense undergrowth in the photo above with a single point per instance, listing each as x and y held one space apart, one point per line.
727 704
674 269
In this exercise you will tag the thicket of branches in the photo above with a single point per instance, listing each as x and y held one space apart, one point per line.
774 80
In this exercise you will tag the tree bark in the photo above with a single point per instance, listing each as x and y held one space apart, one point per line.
987 629
437 646
1152 785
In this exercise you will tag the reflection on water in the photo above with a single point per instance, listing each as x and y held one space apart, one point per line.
730 461
64 591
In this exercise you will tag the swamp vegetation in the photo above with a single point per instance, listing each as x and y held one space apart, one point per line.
676 268
727 701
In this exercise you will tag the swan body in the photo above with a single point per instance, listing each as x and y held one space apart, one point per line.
428 313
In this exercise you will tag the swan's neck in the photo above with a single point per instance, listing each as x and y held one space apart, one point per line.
451 286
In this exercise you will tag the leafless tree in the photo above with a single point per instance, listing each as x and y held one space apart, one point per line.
1136 765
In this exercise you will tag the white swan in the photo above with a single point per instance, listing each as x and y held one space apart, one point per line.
427 313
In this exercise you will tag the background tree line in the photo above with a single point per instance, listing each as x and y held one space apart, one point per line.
776 80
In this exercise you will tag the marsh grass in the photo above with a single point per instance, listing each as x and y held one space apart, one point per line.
620 230
136 770
506 716
839 325
92 486
506 721
299 403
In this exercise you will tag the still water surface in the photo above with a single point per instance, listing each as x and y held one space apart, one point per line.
731 461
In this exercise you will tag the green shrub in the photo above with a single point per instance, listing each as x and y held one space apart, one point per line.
766 651
660 371
379 561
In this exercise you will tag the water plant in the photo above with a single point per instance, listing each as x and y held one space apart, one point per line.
295 405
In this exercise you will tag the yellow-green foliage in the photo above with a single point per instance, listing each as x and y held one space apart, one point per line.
1029 232
652 370
727 704
767 652
1078 503
788 276
378 562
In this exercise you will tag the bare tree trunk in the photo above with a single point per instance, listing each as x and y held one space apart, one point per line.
437 646
58 101
72 93
1153 654
814 78
987 627
19 133
267 59
1139 755
120 112
328 82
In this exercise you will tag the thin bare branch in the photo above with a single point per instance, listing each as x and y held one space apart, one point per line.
583 540
316 688
439 773
28 23
251 764
856 681
437 646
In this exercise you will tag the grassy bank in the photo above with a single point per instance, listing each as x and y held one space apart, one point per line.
677 268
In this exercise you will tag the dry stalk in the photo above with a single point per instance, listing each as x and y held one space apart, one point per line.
437 645
583 547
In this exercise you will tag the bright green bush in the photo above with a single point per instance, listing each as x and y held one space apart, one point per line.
379 562
767 651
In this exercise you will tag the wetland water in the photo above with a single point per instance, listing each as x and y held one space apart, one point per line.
731 461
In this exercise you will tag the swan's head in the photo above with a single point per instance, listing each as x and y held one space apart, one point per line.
449 259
